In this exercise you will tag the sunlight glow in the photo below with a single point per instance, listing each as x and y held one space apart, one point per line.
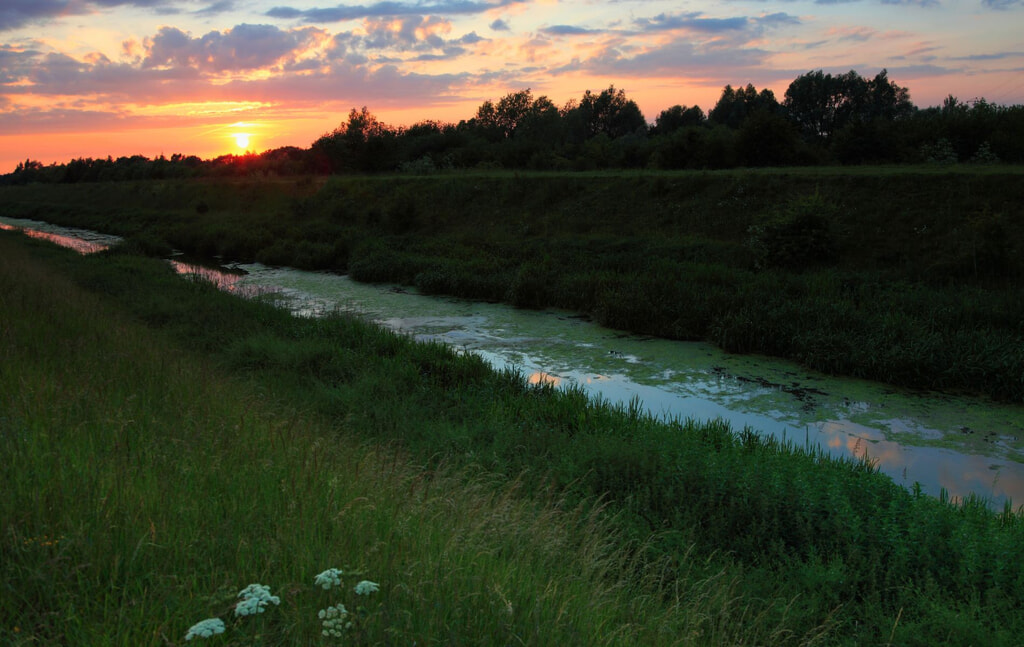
242 140
196 108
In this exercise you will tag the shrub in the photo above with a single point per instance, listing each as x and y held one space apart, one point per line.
800 236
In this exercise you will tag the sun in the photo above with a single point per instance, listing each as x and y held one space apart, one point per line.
242 140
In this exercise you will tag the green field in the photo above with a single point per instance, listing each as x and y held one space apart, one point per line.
163 445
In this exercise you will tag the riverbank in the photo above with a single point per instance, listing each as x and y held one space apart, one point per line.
144 486
905 276
168 393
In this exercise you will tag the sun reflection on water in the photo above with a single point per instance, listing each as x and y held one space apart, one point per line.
541 377
223 278
77 244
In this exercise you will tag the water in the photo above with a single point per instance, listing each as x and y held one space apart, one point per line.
960 444
965 445
80 240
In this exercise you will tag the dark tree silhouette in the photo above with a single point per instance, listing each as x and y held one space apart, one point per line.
821 104
734 106
361 144
609 113
677 117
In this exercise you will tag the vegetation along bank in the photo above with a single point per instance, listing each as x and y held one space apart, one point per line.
166 444
905 275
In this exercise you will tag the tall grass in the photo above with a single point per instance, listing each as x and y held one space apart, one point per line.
144 487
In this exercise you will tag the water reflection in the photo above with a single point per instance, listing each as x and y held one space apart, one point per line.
76 239
221 277
934 468
228 279
87 242
540 377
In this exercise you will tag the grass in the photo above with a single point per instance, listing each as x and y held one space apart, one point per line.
144 488
165 445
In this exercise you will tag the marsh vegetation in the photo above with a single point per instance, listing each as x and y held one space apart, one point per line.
908 276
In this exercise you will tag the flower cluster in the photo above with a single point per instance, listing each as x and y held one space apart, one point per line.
254 599
366 587
329 578
43 540
205 629
334 620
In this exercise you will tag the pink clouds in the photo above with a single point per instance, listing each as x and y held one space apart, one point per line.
242 48
387 9
296 64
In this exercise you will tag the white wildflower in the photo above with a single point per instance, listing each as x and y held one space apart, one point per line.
367 587
334 620
205 629
248 607
254 599
329 578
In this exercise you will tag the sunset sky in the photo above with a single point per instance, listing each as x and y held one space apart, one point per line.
92 78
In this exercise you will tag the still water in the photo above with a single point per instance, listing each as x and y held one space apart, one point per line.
964 445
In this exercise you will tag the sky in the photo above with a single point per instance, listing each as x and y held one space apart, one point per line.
92 78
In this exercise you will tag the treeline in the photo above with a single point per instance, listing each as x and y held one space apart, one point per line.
289 160
821 120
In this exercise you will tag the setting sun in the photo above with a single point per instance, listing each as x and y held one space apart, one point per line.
242 140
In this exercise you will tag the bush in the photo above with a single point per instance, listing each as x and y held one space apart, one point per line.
939 152
799 237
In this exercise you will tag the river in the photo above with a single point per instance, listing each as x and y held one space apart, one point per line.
964 445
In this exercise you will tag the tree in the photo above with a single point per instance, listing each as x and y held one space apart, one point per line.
767 139
821 104
362 126
609 113
517 114
28 171
512 110
886 100
542 122
361 144
734 106
486 122
677 117
811 102
428 138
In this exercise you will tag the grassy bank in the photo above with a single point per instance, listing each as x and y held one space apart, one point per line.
166 445
145 487
907 276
